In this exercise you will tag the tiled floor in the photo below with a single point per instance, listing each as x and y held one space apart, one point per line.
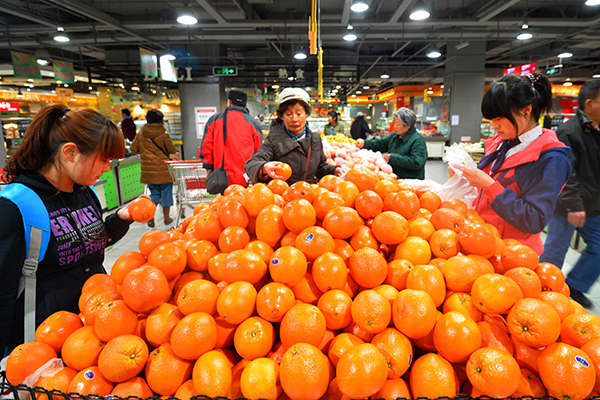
434 169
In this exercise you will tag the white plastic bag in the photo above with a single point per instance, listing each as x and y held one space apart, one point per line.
458 186
48 369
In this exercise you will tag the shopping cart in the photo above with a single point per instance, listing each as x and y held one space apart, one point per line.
189 178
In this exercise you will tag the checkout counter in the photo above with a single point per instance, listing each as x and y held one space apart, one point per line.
121 183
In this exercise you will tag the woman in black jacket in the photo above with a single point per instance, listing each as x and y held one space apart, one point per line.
359 127
291 142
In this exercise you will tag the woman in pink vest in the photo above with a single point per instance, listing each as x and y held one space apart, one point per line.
525 166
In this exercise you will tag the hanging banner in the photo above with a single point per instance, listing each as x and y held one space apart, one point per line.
203 114
148 63
25 66
167 70
63 71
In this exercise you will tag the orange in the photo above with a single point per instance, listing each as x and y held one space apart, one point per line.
368 204
125 263
329 272
233 238
389 227
298 215
592 349
430 201
336 308
456 336
278 186
115 318
398 273
57 379
397 350
404 202
579 328
493 336
274 300
198 296
141 209
254 338
161 322
444 243
528 281
566 371
361 371
212 375
393 389
519 256
284 170
414 313
242 265
256 198
495 294
208 227
455 204
333 391
304 372
559 302
186 391
82 348
446 218
236 302
493 372
98 279
306 291
288 265
343 249
534 323
342 222
463 303
368 268
260 380
57 328
460 272
349 192
363 178
340 344
25 359
327 201
329 182
123 358
165 371
551 276
234 189
301 190
95 302
194 335
477 239
364 238
269 225
432 376
135 386
145 288
225 332
184 279
371 311
385 187
302 323
429 279
527 357
198 253
421 227
314 241
169 258
90 381
263 249
530 385
151 240
413 249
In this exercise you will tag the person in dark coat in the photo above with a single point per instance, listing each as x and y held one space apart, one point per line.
127 125
359 127
578 206
291 141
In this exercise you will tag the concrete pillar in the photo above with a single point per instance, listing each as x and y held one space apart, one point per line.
194 95
464 82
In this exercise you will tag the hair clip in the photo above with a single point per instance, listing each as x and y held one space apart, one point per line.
64 113
532 78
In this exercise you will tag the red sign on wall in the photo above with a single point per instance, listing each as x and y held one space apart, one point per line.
9 106
524 69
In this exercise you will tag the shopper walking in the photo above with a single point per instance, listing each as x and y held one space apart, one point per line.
405 150
63 153
127 125
291 141
154 146
241 140
360 128
578 206
525 167
334 126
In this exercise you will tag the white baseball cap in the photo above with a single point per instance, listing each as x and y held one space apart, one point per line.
293 93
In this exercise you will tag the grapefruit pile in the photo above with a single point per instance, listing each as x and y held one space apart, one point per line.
349 289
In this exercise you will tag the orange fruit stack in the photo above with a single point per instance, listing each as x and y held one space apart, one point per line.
348 289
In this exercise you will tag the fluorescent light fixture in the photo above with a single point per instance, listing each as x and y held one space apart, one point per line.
60 35
168 57
565 53
275 86
366 87
568 83
384 75
558 66
524 35
592 3
350 37
359 6
461 45
353 95
358 92
300 55
419 11
596 74
433 53
187 19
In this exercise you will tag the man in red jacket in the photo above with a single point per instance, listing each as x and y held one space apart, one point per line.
242 138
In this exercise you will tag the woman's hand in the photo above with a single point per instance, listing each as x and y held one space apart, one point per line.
124 214
360 143
386 157
338 171
271 168
478 178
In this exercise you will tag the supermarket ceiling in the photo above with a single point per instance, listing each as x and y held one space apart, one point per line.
260 37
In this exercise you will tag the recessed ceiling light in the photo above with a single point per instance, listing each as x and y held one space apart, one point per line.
187 19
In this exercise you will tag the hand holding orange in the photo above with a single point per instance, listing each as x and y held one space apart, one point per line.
285 171
142 209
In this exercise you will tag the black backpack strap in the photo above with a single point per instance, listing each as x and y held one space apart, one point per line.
224 137
160 148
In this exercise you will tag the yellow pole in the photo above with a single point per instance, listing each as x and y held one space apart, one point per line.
320 59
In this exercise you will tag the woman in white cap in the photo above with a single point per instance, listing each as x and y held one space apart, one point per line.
292 143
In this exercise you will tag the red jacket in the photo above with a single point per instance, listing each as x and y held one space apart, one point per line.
244 138
526 188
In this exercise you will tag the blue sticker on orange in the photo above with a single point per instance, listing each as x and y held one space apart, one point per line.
309 237
582 361
274 261
89 375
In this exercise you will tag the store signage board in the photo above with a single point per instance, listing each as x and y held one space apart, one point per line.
9 106
203 114
25 66
64 93
524 69
63 71
148 63
167 70
232 71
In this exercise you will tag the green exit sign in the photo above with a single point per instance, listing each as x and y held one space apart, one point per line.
224 70
374 98
553 71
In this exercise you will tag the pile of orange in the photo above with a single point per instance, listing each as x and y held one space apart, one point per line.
349 289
